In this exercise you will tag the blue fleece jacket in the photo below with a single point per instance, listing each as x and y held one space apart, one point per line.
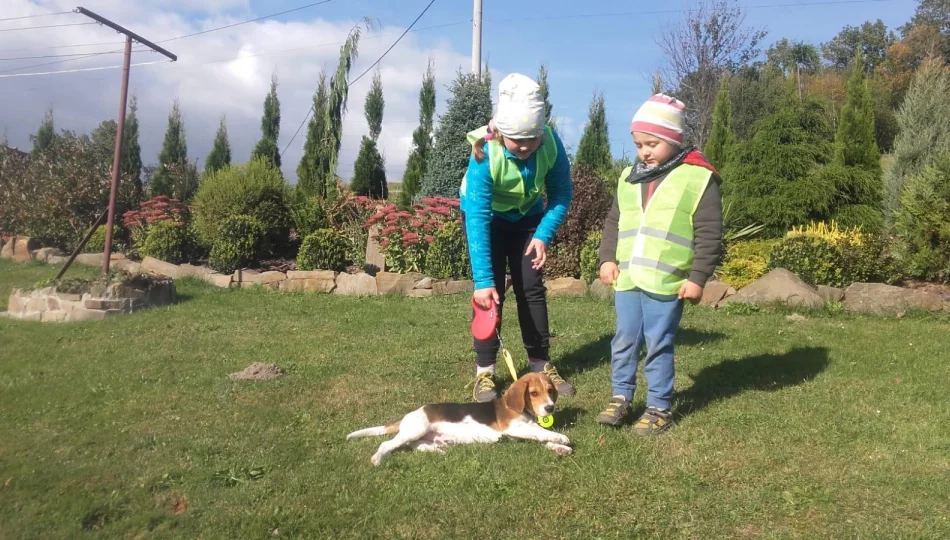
476 202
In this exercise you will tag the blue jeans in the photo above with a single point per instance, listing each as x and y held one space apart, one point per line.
653 319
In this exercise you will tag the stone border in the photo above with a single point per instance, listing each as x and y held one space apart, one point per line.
50 305
779 285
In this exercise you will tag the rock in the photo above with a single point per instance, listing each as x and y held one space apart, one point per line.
361 284
240 276
312 274
420 293
113 257
68 297
257 372
424 283
36 304
796 317
162 268
52 303
779 285
391 283
374 257
882 299
43 254
830 294
189 270
308 285
126 265
31 316
103 304
218 280
268 278
20 249
715 292
567 288
89 259
600 290
440 288
55 259
53 316
83 314
16 303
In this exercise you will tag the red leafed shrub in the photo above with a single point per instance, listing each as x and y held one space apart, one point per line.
587 213
405 235
158 209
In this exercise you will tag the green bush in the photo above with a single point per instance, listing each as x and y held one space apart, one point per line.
868 261
447 256
255 189
816 260
97 242
166 241
590 257
307 215
324 249
922 222
745 262
237 245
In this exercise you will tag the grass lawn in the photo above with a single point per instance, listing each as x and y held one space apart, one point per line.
828 427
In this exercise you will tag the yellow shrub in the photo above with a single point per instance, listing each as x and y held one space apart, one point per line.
831 233
745 262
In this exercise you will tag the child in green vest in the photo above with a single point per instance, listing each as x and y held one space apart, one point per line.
662 241
515 159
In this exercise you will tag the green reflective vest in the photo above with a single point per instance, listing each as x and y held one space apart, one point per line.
655 245
508 191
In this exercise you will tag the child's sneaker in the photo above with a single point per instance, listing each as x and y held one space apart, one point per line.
616 412
564 388
485 387
653 421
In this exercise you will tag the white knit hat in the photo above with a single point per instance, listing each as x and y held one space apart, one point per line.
661 116
520 108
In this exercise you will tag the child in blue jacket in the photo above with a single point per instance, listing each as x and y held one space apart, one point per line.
515 159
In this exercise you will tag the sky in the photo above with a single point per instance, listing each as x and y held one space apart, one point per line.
606 46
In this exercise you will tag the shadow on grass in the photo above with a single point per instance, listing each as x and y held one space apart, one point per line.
598 352
769 372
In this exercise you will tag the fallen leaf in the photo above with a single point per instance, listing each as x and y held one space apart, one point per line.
7 483
180 505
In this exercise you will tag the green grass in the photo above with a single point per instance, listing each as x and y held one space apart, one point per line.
831 427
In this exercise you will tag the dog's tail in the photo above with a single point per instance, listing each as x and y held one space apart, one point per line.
375 431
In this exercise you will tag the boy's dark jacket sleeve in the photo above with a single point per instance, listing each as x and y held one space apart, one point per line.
707 226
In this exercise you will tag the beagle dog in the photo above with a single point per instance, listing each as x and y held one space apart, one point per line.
434 427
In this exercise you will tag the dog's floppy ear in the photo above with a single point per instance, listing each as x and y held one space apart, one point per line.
515 396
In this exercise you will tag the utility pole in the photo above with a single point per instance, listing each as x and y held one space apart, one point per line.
477 39
120 132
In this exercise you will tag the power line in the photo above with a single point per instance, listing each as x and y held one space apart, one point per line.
89 55
60 55
35 16
245 22
79 70
350 83
45 26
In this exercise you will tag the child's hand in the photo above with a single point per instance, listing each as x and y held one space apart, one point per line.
609 272
484 297
692 292
540 251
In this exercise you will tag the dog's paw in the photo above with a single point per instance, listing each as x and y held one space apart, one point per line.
377 460
561 449
557 438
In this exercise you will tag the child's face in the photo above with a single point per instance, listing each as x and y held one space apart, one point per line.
522 148
653 150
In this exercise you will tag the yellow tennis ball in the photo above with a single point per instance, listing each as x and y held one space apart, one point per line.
546 421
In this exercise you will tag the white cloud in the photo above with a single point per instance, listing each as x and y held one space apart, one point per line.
226 72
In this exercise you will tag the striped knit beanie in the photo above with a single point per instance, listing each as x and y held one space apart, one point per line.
661 116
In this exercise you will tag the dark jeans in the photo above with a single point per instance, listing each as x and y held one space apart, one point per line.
509 241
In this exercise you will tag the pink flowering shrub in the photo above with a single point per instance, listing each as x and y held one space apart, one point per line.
405 235
158 209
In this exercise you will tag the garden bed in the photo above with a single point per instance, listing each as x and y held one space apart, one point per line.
78 299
